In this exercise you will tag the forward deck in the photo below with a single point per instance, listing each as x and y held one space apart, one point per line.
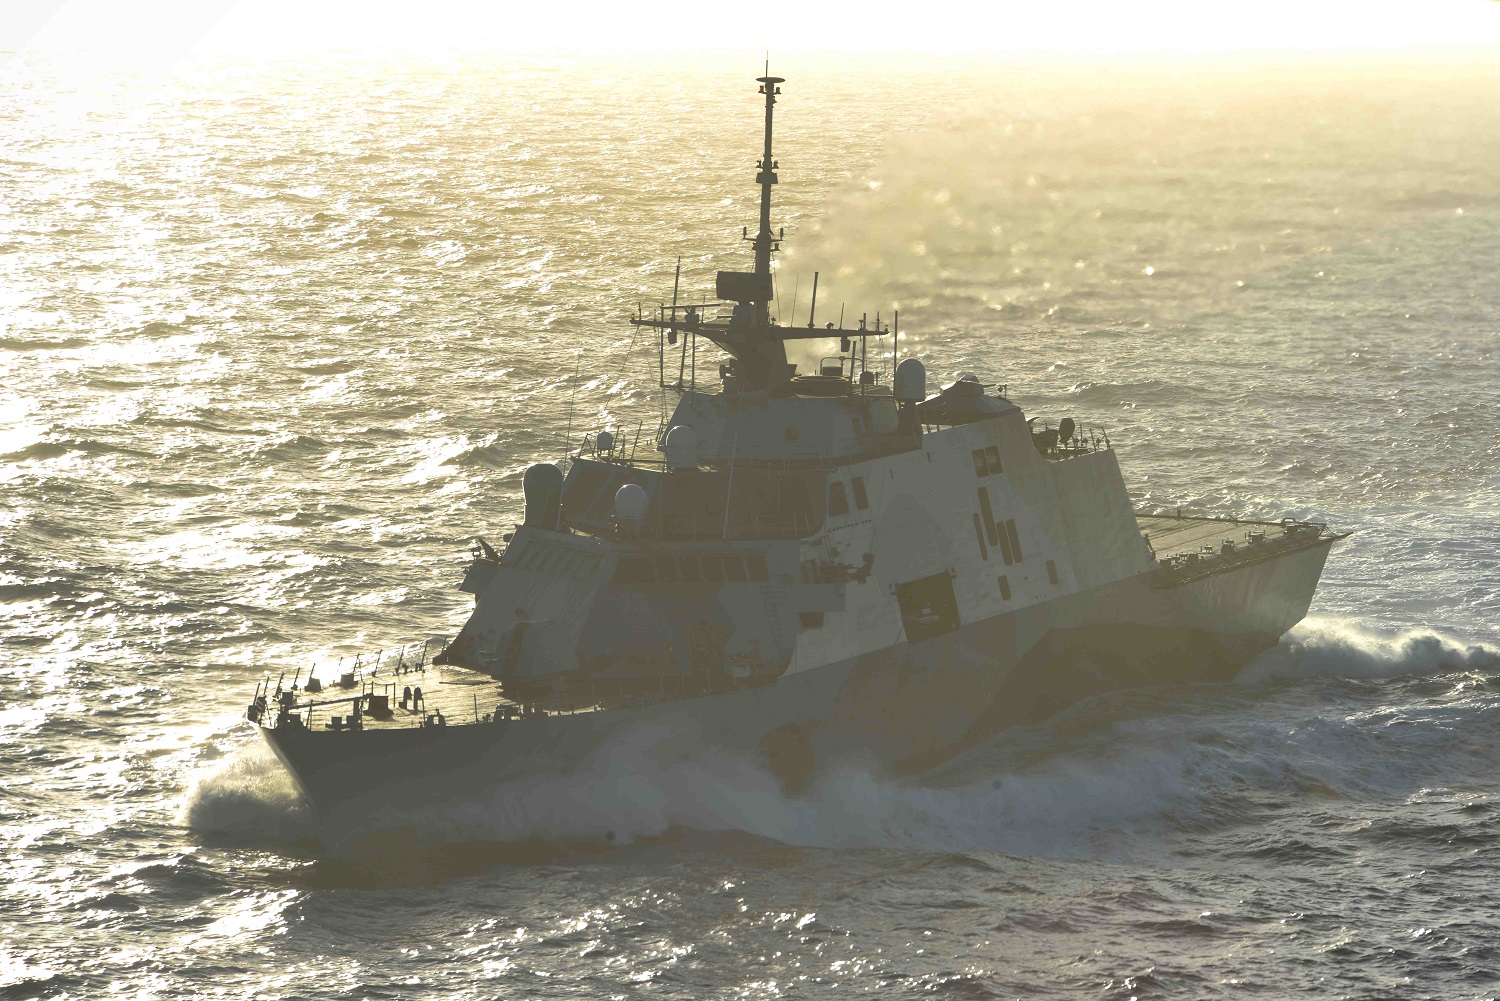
1175 535
393 696
1189 548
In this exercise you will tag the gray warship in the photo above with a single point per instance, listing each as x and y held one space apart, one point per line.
808 570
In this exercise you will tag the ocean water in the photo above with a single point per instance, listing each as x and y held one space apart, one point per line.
278 339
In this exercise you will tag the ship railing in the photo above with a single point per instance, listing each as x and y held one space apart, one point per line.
281 699
576 698
1085 439
1254 545
1229 519
620 445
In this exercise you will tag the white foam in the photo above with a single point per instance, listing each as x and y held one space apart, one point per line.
247 795
1321 647
1062 807
1126 786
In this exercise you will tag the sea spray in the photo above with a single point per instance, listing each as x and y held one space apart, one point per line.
1323 647
1126 774
246 796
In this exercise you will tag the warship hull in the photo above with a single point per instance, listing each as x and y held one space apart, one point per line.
825 570
893 712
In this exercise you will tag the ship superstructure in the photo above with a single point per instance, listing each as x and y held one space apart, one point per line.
812 569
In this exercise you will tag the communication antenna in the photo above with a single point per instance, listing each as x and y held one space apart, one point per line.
577 364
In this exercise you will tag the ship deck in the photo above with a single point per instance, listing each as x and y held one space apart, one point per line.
449 696
1176 535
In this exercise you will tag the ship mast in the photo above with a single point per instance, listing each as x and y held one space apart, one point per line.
766 177
755 341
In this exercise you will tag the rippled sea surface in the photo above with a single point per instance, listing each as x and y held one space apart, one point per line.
278 339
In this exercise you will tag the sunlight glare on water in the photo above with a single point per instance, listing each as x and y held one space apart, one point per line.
279 339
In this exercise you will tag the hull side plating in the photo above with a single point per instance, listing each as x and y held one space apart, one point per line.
901 710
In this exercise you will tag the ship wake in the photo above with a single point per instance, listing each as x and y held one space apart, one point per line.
1123 776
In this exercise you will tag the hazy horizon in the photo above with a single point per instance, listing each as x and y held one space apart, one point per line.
675 26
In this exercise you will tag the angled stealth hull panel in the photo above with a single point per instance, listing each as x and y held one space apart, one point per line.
820 569
898 711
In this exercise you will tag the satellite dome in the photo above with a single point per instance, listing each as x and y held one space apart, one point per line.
681 447
605 442
631 503
911 381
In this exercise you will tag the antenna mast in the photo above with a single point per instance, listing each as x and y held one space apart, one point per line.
765 177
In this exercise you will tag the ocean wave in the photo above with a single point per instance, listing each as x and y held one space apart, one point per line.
290 448
1068 805
42 451
1331 648
327 366
1128 775
43 343
1147 391
247 797
487 456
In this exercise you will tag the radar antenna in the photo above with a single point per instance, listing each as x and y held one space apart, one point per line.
756 342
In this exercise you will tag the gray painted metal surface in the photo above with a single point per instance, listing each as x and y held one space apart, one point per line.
823 573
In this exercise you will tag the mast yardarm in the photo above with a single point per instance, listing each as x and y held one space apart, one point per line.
752 337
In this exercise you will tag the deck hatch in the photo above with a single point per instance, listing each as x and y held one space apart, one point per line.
928 606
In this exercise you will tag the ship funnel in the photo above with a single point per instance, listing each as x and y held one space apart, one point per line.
681 447
543 484
631 503
911 381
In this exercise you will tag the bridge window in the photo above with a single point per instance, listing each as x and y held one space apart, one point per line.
1004 587
734 567
713 569
811 620
1052 571
691 569
666 569
981 463
838 502
756 562
861 499
992 458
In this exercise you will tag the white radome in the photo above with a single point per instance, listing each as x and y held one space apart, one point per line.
631 503
681 447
